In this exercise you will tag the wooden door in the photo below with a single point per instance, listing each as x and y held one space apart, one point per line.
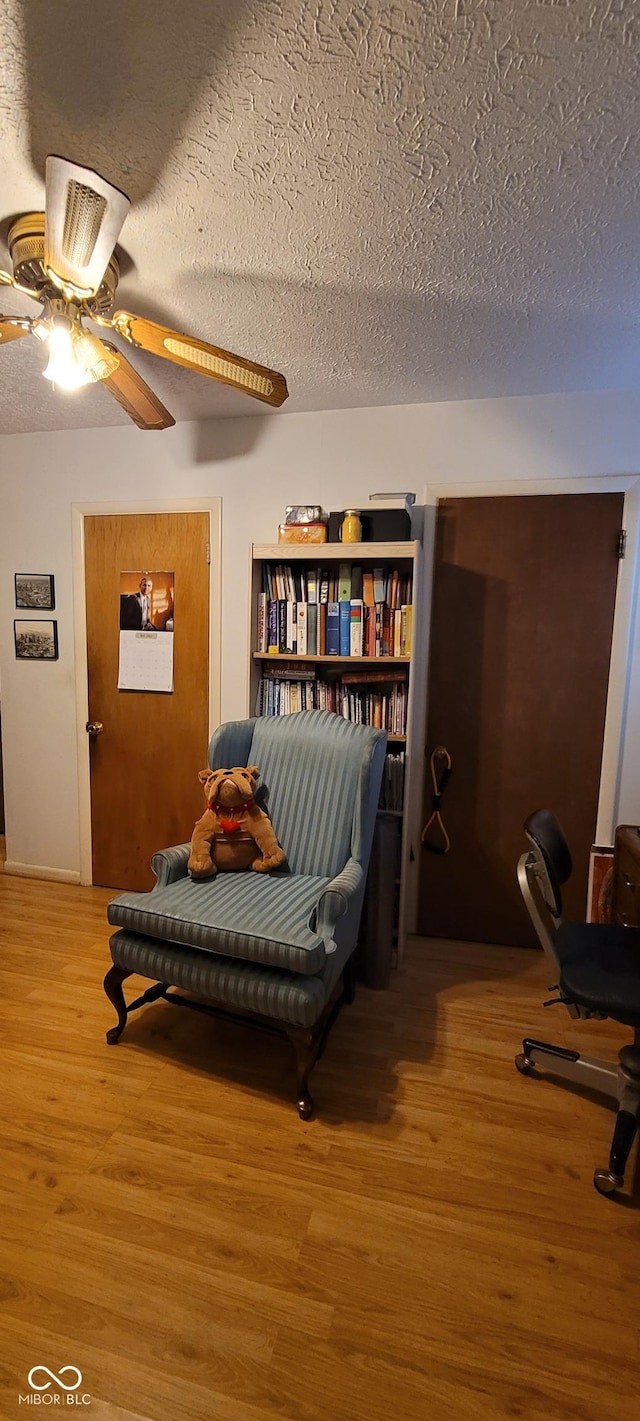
523 604
144 764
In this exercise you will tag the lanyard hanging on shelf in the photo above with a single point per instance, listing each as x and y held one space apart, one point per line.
440 766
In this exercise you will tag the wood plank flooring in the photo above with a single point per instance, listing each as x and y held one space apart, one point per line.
429 1249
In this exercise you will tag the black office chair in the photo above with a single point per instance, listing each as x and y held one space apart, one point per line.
596 969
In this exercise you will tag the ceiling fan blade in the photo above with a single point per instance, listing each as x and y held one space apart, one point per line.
135 396
83 220
205 359
10 329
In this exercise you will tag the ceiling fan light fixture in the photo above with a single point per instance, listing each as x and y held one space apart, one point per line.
63 368
92 354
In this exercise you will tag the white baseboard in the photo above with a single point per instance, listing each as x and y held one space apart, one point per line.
32 870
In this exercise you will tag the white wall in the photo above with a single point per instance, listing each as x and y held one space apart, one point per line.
257 466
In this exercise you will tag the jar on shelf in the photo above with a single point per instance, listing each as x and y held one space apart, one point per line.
351 526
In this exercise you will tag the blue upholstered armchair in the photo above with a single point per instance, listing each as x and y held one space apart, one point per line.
275 949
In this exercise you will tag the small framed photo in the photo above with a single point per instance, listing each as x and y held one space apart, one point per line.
35 590
36 641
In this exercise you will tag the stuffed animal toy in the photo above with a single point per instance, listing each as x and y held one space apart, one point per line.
233 833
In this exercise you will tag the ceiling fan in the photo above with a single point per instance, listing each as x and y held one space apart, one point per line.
65 259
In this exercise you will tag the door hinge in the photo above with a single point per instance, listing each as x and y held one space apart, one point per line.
622 543
208 552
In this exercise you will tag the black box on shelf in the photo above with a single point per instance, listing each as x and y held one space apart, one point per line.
379 525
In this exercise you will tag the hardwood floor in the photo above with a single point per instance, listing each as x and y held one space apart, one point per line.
430 1247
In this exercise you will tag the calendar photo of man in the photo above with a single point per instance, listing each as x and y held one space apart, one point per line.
146 601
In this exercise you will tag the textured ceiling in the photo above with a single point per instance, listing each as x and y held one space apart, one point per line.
390 201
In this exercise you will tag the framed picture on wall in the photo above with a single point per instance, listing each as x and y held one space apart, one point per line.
36 641
35 590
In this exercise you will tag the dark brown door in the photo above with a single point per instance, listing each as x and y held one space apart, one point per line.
523 604
144 764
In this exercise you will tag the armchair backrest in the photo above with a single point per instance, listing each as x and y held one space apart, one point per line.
322 776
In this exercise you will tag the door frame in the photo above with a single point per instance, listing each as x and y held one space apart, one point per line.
624 612
80 511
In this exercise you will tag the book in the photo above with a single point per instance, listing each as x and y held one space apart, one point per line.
396 638
312 585
288 673
302 633
387 644
290 644
378 610
262 621
322 629
406 629
378 584
345 615
344 582
370 675
312 629
369 631
355 627
272 627
333 629
356 583
282 624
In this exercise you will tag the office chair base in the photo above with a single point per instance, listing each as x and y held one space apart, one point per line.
569 1065
622 1084
607 1183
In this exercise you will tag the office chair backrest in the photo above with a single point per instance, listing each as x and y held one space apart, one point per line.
553 857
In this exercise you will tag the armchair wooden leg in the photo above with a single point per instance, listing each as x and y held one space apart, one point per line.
306 1048
113 988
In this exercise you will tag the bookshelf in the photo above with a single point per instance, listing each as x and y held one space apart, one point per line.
407 671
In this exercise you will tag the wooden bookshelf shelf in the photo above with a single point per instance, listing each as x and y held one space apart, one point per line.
375 662
321 553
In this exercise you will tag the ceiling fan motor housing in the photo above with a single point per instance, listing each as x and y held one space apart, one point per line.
26 247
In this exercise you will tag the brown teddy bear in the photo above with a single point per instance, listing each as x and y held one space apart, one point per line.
233 833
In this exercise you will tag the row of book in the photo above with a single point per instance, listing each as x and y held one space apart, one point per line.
381 703
334 629
316 586
307 611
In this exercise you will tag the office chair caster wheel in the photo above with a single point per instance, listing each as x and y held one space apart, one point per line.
607 1183
523 1065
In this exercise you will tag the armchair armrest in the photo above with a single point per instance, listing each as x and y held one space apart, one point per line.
171 864
335 900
